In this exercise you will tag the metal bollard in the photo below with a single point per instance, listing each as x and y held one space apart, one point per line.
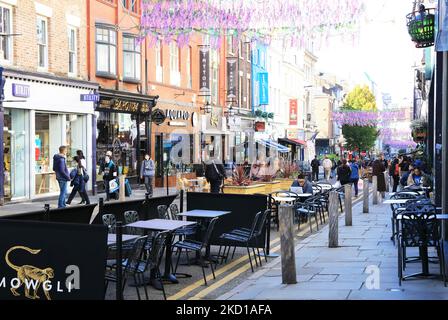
122 194
334 217
375 190
348 205
286 216
365 195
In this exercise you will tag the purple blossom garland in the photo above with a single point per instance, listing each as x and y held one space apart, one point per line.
293 21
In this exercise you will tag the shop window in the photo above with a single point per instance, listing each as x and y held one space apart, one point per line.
131 58
5 28
16 144
159 61
106 51
174 64
117 132
42 42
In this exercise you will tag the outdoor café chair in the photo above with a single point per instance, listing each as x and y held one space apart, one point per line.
341 195
110 221
395 207
419 229
260 221
317 189
131 217
199 247
305 210
318 206
129 257
184 231
163 213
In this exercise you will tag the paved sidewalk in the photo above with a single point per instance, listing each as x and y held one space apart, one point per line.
344 273
38 204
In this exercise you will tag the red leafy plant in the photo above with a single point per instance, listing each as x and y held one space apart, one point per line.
240 178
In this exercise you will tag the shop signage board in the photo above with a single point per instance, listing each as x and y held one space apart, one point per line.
158 116
293 112
21 90
91 97
260 126
231 78
123 105
204 69
264 88
56 261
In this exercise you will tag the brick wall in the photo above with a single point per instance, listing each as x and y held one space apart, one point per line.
25 50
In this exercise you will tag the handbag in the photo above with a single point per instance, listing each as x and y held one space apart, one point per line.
113 186
221 177
85 176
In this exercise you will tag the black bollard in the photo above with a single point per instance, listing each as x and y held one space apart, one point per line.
181 200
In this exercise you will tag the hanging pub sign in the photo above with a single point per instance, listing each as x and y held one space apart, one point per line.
43 261
204 69
260 126
231 78
158 116
293 112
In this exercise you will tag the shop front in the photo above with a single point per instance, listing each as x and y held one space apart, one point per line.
123 127
176 143
41 114
241 133
295 141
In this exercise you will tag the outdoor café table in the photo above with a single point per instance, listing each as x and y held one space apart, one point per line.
163 225
203 215
424 250
284 199
396 201
112 238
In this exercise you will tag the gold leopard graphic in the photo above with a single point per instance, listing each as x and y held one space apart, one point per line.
29 274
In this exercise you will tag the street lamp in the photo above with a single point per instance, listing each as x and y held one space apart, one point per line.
207 108
230 112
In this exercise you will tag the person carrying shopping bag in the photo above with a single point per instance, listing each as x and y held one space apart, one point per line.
79 179
110 178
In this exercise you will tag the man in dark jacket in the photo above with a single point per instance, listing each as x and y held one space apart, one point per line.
62 174
315 169
215 174
344 172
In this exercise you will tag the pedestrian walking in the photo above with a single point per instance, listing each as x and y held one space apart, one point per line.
147 172
354 176
378 171
62 174
327 164
215 174
315 163
102 161
394 172
109 177
79 178
344 172
82 159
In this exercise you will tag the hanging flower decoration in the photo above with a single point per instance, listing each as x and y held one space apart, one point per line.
367 118
293 21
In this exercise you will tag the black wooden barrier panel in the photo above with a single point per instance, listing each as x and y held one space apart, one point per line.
76 214
243 208
146 208
48 256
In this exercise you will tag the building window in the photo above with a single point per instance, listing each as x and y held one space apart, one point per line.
159 61
106 51
240 87
42 42
188 66
131 58
124 3
5 28
248 94
72 49
134 6
174 64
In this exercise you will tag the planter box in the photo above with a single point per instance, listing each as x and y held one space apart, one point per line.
270 187
172 180
285 184
253 189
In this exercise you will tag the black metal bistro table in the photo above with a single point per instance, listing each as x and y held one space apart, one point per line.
164 225
423 250
203 215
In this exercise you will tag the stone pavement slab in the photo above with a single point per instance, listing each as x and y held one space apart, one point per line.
340 273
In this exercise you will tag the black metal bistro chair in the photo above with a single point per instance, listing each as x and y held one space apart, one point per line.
163 213
397 207
422 230
304 212
184 231
110 222
131 217
199 247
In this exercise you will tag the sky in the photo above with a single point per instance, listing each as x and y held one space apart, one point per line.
383 50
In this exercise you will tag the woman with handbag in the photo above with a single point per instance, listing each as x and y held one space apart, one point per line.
79 178
110 177
147 172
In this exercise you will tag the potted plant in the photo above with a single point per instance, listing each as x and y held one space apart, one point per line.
419 130
258 113
240 183
288 172
270 185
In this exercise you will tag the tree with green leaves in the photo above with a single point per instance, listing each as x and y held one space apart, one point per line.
360 138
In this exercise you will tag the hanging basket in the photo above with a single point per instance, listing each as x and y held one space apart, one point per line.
421 27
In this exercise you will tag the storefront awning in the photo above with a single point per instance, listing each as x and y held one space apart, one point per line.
273 145
294 142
